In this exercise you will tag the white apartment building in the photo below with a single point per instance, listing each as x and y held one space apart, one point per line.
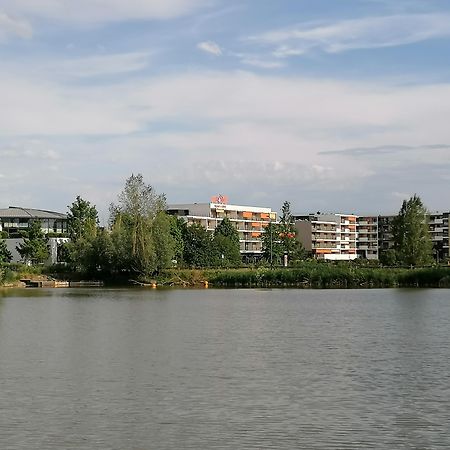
367 237
250 221
328 236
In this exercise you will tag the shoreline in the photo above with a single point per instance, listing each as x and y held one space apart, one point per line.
306 276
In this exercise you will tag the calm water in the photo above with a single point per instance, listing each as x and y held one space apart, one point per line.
224 369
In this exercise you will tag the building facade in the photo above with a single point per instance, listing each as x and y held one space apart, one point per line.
367 237
14 219
250 221
14 222
438 225
328 236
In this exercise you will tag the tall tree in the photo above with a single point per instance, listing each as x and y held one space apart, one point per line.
34 248
5 254
226 244
164 242
177 225
271 244
82 219
136 247
288 235
412 240
198 246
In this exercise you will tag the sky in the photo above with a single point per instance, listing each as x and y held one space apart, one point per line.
333 105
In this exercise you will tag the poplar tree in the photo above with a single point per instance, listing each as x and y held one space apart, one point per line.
412 241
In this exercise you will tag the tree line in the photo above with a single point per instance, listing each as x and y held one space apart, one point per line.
141 239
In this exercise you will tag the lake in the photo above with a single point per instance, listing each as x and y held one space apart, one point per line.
138 369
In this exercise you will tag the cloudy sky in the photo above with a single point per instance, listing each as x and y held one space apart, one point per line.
334 105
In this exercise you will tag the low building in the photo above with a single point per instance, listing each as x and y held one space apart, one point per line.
328 236
14 222
250 221
14 219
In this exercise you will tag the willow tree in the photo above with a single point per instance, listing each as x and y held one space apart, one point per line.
412 240
140 234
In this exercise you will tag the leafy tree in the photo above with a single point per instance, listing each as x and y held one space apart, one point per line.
198 247
288 234
34 248
177 225
412 240
226 245
227 229
271 244
5 254
164 243
140 232
82 219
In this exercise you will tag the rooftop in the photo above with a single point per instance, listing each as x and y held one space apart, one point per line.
30 213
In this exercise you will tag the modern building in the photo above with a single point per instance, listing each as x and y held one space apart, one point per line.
250 221
14 221
328 236
367 237
439 230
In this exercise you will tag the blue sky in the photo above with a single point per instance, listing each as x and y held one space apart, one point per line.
334 105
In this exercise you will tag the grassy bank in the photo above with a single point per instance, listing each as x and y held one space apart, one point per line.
307 275
313 276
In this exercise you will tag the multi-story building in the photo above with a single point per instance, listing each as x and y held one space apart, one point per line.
328 236
385 237
439 230
367 238
250 221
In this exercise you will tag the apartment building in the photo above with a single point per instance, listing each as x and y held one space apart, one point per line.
250 221
328 236
439 230
367 238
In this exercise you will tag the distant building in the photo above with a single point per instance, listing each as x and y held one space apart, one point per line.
250 221
439 230
328 236
14 221
367 238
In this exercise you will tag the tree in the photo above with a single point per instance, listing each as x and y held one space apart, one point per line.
164 243
140 232
271 244
34 248
177 225
288 234
198 247
226 245
412 240
82 219
5 254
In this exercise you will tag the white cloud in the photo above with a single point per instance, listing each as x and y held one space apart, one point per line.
223 131
101 11
363 33
11 26
210 47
